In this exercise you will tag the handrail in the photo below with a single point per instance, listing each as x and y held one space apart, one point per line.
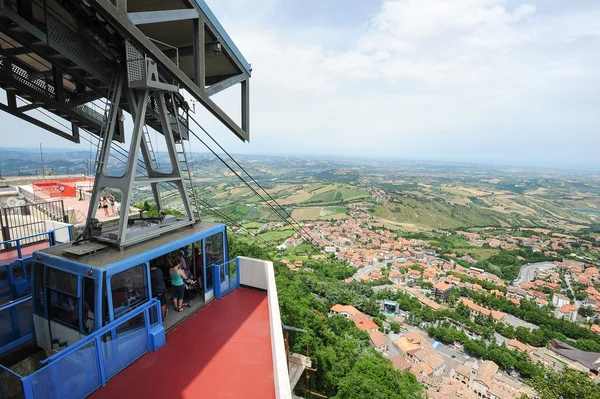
14 303
22 323
224 263
51 238
216 274
31 236
106 329
10 371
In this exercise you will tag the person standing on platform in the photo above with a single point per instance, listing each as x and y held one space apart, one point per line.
111 200
105 206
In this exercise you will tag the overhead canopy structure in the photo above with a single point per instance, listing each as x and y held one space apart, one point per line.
60 55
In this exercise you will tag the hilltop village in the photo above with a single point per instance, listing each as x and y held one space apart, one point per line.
435 307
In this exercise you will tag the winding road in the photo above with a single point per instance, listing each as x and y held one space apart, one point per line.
527 272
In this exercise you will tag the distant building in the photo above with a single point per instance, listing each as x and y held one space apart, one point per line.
415 348
379 341
400 363
567 312
442 290
584 361
484 381
559 300
477 310
361 320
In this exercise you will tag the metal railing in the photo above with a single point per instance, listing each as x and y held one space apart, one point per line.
27 222
227 281
15 276
87 365
16 323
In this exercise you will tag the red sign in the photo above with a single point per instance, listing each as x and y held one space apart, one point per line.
55 188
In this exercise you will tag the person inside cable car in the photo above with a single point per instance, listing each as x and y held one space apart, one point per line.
177 282
159 289
199 263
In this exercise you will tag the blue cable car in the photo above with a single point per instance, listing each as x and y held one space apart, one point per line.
79 289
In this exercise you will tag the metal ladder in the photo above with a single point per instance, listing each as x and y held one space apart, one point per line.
182 159
187 177
151 154
111 98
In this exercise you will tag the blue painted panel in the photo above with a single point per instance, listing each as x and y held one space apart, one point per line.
16 324
67 265
223 33
73 376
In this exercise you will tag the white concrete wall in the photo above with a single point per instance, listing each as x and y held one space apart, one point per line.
253 273
61 231
260 274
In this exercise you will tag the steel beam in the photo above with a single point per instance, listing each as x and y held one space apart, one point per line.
38 123
59 89
122 23
67 43
246 105
15 51
153 17
225 84
191 50
199 54
45 93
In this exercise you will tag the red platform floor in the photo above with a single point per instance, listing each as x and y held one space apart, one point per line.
223 351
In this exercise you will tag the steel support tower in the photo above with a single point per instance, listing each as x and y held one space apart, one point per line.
133 57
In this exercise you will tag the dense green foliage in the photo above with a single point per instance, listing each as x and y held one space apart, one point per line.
506 358
374 377
550 327
569 384
347 367
152 210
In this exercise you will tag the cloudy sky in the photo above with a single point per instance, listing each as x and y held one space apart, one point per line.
491 81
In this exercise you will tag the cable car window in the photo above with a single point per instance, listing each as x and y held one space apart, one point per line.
38 289
17 271
214 256
4 283
89 319
105 314
129 289
28 266
63 303
61 281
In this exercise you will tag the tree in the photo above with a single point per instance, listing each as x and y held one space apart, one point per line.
522 334
463 310
374 377
585 312
395 327
568 384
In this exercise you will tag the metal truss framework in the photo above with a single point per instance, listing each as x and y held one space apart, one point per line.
45 59
138 97
68 56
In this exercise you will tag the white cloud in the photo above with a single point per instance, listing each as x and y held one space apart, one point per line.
427 77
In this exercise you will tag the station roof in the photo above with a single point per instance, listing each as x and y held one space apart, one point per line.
180 34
